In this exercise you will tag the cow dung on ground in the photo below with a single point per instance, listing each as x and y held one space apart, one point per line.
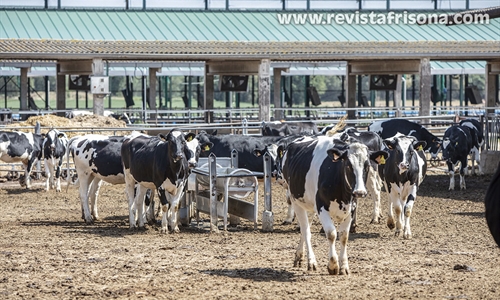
48 252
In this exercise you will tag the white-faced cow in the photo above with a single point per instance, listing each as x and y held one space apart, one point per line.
492 206
476 131
402 173
157 163
54 150
389 128
21 147
457 144
278 128
323 175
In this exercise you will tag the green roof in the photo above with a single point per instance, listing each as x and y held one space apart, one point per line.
203 35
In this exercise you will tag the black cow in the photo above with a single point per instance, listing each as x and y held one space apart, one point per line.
157 163
278 128
324 175
389 128
476 131
54 150
21 147
457 144
402 173
492 206
243 144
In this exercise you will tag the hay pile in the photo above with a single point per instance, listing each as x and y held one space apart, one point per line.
82 123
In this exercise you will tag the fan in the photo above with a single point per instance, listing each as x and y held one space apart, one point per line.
233 83
383 82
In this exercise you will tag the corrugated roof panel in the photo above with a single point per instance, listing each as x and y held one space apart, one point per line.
272 32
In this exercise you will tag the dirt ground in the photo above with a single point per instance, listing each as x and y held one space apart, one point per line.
47 252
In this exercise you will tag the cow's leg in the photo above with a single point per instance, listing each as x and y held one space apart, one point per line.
58 175
374 186
129 192
398 210
85 184
49 167
354 214
150 213
27 171
343 238
463 169
93 195
390 214
174 208
331 235
290 214
477 158
139 204
451 173
305 236
164 207
407 211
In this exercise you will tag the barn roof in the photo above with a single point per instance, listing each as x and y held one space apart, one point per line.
205 35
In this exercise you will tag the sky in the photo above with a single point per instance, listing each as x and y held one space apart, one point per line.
256 4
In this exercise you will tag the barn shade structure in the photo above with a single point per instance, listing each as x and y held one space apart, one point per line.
82 41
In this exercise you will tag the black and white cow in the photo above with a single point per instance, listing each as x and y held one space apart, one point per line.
389 128
324 175
278 128
157 163
457 144
476 131
492 206
402 174
21 147
245 145
54 146
97 158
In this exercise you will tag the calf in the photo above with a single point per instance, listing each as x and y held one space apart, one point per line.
157 163
403 172
278 128
476 131
54 150
21 147
389 128
492 206
457 144
324 175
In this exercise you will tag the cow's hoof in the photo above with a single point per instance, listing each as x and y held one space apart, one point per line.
164 230
344 271
312 266
333 267
298 261
390 224
286 223
397 232
375 221
353 229
89 220
407 236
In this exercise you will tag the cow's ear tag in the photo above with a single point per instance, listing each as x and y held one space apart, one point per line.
190 138
420 148
206 148
381 160
281 154
389 146
456 144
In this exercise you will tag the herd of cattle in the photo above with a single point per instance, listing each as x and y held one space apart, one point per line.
324 172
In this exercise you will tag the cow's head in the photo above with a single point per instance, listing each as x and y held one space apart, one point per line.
403 149
193 149
435 147
54 138
356 159
176 144
272 150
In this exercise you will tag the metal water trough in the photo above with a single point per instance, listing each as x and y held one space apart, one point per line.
219 188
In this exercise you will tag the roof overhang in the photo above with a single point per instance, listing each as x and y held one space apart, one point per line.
221 50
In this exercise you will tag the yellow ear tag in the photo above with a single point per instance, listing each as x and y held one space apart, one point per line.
207 147
190 138
381 160
420 148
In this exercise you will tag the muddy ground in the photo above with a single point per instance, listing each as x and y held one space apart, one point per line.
47 252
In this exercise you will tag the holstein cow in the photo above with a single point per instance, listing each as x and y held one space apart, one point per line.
54 149
492 206
21 147
157 163
389 128
457 144
278 128
97 158
374 182
403 172
476 131
324 175
243 144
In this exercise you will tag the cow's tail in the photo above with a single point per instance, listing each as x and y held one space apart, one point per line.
338 127
68 151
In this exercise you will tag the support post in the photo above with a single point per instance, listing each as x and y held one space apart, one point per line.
278 113
351 92
425 88
397 96
208 104
152 90
490 88
60 91
98 100
24 91
47 91
264 90
267 214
